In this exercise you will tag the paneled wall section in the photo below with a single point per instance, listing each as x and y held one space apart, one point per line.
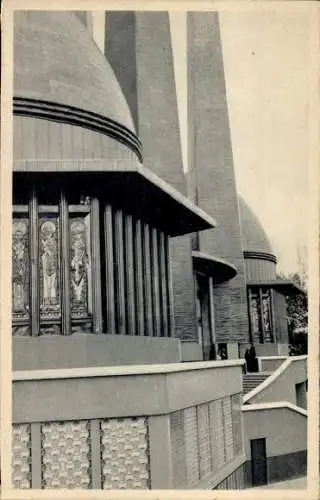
116 453
103 454
205 438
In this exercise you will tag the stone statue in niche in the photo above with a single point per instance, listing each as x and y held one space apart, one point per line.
79 264
255 314
49 263
19 266
266 312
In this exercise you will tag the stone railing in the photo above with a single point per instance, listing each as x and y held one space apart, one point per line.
281 384
161 426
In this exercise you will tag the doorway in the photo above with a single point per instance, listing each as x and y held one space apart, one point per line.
205 319
258 462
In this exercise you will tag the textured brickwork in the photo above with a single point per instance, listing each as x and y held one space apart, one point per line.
178 448
237 424
65 453
204 433
183 288
212 159
217 436
287 466
227 425
191 445
21 456
115 453
125 454
202 440
236 481
138 46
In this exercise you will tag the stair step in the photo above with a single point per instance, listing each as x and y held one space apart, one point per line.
251 380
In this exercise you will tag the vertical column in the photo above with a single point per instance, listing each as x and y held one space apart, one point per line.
147 286
262 325
249 298
163 284
211 312
120 278
273 320
96 283
109 269
161 466
155 282
170 288
139 279
34 270
129 276
36 455
65 278
95 445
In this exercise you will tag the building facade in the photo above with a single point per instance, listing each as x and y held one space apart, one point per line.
136 289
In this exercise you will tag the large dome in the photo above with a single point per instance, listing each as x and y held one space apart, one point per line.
253 235
56 60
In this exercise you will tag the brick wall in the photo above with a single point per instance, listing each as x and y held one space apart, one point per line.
212 160
205 438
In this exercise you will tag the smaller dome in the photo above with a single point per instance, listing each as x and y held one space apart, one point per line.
254 236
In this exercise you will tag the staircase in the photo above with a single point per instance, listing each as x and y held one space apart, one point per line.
252 380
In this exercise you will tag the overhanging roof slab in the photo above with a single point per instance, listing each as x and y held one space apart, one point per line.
127 185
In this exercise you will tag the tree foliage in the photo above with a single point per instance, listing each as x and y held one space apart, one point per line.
297 314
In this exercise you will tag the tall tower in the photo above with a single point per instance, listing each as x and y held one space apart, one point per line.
138 46
211 171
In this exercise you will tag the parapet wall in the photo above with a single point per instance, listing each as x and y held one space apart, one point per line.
129 427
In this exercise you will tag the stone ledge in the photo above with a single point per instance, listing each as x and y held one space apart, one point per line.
122 370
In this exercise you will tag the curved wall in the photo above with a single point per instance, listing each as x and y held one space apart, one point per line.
35 138
259 269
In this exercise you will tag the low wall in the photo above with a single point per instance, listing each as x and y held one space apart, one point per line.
161 426
88 350
190 351
270 363
284 426
281 385
268 349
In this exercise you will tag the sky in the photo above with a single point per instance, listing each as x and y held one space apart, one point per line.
267 70
266 59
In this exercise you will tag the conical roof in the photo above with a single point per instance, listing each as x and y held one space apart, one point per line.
56 60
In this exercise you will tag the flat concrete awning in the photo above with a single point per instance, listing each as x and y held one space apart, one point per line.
219 269
127 185
286 287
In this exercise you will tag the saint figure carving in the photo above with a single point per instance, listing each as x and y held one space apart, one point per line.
19 267
79 262
49 263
